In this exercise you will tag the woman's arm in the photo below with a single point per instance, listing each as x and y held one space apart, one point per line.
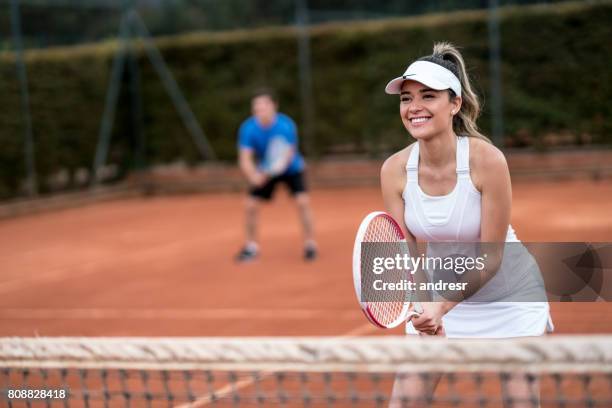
491 177
393 181
493 181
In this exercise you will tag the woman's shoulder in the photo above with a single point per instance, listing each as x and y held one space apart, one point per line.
393 170
487 163
397 161
485 155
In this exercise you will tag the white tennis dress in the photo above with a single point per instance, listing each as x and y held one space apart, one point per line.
456 217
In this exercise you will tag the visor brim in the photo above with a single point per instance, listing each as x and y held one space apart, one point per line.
394 87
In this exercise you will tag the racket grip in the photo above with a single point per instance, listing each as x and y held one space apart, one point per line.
412 314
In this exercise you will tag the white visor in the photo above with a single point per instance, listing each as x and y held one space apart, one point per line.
429 74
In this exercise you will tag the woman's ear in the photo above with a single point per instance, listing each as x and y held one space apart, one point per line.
456 102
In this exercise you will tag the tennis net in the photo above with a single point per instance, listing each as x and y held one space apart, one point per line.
552 371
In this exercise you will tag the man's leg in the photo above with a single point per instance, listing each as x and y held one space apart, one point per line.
252 210
251 248
303 203
255 197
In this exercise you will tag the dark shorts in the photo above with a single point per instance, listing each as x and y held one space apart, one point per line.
294 182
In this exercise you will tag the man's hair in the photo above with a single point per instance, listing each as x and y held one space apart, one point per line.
265 92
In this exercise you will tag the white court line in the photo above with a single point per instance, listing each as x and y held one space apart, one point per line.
203 313
230 388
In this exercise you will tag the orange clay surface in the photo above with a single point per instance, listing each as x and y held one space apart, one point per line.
163 266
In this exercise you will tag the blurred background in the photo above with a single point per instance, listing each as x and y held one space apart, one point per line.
85 87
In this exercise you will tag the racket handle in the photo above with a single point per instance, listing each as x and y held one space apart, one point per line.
411 314
416 311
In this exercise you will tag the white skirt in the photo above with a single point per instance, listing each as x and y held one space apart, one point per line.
495 320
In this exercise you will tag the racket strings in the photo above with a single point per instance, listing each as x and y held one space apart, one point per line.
387 240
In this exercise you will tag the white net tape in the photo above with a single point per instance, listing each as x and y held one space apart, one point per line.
388 354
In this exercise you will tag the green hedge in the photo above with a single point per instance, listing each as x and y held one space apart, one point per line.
556 86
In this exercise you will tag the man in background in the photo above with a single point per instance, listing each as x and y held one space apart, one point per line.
268 156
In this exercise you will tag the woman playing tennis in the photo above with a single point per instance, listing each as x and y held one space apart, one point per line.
453 185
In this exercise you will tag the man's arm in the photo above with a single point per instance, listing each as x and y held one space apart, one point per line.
246 161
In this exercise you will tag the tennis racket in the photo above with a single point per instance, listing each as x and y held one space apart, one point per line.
276 160
379 236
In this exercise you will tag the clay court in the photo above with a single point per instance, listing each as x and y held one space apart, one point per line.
163 265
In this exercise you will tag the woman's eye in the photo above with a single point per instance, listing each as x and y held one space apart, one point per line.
405 99
428 96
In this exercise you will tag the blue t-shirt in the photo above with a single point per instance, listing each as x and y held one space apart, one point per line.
256 137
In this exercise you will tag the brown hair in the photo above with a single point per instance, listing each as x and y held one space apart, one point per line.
269 92
464 122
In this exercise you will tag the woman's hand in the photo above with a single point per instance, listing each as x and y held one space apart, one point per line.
440 333
430 321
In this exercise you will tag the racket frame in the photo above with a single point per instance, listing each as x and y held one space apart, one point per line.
365 307
281 149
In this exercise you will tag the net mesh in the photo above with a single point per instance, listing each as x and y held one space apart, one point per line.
340 372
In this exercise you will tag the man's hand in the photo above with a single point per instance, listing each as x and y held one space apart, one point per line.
247 164
258 179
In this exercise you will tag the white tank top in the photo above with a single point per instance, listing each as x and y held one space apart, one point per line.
456 217
452 217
